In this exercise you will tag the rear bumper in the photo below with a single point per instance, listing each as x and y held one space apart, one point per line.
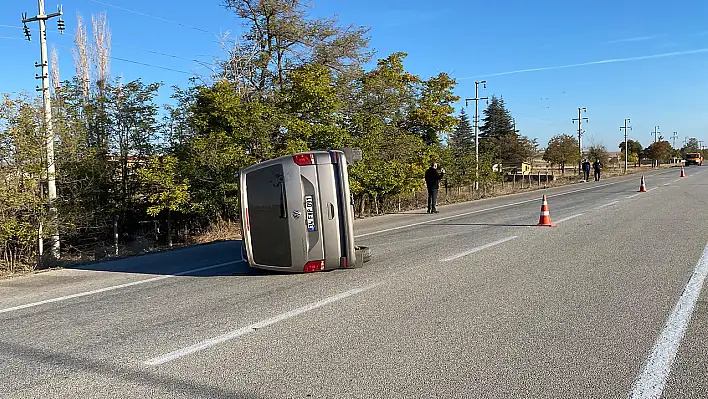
291 269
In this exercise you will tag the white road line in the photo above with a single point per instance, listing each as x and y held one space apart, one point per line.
477 249
483 210
253 327
607 204
568 218
632 196
651 382
114 287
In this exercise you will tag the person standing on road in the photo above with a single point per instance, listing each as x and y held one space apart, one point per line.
432 180
586 170
597 166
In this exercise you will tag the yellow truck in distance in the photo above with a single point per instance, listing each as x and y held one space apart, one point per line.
694 158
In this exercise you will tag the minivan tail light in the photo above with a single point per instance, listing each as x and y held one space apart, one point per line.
248 223
304 159
314 266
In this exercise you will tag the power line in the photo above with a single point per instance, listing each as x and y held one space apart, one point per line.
154 17
150 65
143 63
159 53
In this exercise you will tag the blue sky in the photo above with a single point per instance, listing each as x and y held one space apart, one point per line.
647 61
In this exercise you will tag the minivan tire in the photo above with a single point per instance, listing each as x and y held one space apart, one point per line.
364 253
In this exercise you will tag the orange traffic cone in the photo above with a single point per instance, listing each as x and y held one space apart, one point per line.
545 219
683 174
643 187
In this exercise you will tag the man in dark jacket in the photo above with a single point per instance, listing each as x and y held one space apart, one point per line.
586 170
432 180
597 166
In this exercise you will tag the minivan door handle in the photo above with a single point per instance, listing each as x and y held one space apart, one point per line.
330 211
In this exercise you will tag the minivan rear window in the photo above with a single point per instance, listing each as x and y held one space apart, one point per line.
268 216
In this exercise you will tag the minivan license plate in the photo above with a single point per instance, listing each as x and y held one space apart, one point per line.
310 213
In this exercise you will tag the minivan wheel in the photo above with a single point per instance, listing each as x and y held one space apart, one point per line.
364 253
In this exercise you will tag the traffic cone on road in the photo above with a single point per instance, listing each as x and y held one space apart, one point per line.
545 219
683 173
643 187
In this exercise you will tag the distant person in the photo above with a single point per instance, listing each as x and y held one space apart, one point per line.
432 180
596 167
586 170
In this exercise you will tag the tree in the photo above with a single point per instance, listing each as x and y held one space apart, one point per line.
497 120
132 116
499 138
461 141
230 133
394 157
635 151
313 110
460 153
562 149
165 189
692 145
22 212
659 151
280 36
432 113
598 152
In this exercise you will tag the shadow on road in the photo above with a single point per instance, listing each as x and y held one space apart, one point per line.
63 364
196 261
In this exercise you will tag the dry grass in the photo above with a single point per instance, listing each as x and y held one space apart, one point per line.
218 231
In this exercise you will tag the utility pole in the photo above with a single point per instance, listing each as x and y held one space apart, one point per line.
476 128
655 133
580 134
49 133
626 150
673 139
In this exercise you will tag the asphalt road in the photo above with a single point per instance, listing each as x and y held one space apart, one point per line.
475 301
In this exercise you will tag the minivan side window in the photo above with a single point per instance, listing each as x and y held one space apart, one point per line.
268 216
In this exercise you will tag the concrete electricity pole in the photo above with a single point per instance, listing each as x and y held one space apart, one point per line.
580 134
49 136
656 134
626 150
476 128
673 139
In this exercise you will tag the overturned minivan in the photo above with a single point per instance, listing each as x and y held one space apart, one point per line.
297 214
